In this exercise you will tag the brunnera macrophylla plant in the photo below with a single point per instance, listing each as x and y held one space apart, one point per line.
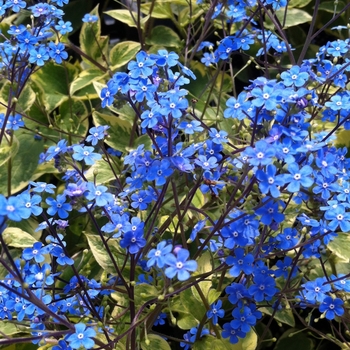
164 196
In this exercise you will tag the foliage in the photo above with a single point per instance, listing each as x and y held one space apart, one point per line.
196 177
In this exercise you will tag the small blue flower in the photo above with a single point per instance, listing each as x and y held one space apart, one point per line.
99 194
36 252
64 27
89 18
332 307
298 177
38 56
216 312
81 337
97 133
133 241
157 256
86 153
58 206
294 77
160 320
179 265
57 52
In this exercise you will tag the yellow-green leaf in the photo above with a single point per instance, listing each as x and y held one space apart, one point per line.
124 16
15 237
123 52
155 342
7 152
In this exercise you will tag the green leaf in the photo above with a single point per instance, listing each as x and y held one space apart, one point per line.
186 321
101 172
209 342
100 253
7 152
340 246
85 78
23 164
294 18
54 82
329 6
284 316
155 342
298 3
343 139
192 305
8 328
145 292
164 36
123 52
204 265
159 10
15 237
119 131
290 341
91 42
75 11
124 16
213 296
73 117
25 100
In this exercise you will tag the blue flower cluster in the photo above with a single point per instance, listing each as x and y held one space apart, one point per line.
286 190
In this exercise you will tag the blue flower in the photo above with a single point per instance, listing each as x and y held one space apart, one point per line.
285 267
90 18
332 307
218 137
179 265
269 181
338 103
269 212
174 105
16 5
57 52
216 312
42 187
338 217
241 262
229 331
58 206
99 194
294 77
190 127
157 256
159 171
38 55
243 319
64 27
30 205
142 67
133 241
298 177
263 289
261 154
81 337
338 48
12 207
160 320
36 252
315 290
53 151
86 153
206 164
237 107
62 345
267 96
